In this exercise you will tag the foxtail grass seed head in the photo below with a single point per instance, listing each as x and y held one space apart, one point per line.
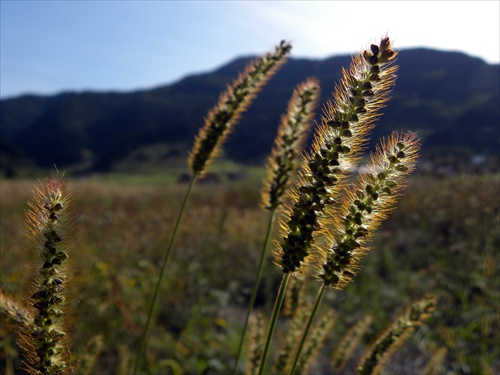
366 206
289 142
345 126
395 335
49 228
230 106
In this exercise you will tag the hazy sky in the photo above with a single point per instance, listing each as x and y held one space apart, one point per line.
50 46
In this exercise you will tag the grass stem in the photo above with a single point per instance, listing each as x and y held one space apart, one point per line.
270 226
274 319
162 272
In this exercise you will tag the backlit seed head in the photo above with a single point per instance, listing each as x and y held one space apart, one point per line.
289 143
343 132
232 103
366 206
48 221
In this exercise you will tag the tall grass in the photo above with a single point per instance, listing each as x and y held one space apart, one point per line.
203 296
422 247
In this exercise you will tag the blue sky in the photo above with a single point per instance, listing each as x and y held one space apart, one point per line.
52 46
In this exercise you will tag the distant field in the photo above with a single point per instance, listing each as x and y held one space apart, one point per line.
172 171
443 238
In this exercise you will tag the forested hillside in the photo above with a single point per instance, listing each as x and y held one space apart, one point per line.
450 99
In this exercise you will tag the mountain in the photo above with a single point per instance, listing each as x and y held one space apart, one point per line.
450 99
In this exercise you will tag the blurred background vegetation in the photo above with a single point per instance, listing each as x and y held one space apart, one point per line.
126 157
443 239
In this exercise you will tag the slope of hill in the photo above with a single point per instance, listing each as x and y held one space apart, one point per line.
450 99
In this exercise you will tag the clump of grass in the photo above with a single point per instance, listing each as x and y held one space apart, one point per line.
365 206
346 124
